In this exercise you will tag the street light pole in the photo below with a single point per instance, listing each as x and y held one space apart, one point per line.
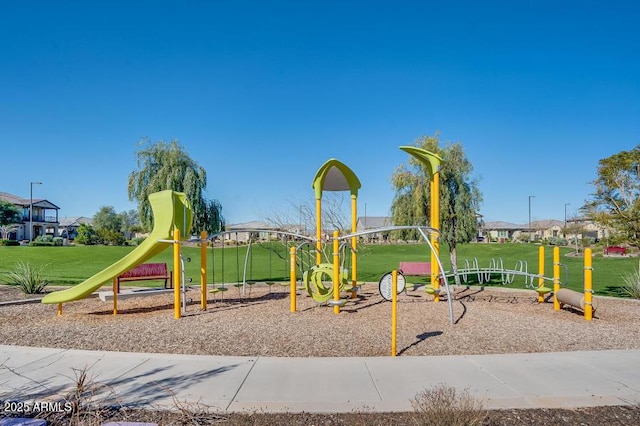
565 213
31 208
530 197
303 227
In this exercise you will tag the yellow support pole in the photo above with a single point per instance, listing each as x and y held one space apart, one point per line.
432 162
318 231
435 242
394 310
59 309
540 272
556 277
115 296
203 270
588 285
354 246
336 272
177 274
292 278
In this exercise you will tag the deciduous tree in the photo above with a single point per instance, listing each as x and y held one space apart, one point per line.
9 213
616 201
107 219
130 223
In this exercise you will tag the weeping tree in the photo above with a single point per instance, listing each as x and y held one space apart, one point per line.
460 197
166 165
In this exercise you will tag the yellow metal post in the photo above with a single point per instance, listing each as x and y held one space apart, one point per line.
177 274
115 296
432 162
435 223
318 231
556 277
540 272
59 309
203 270
588 285
292 278
394 310
336 272
354 246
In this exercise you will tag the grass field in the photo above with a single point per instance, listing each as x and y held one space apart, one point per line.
73 264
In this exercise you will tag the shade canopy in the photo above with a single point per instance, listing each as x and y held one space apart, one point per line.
334 175
429 159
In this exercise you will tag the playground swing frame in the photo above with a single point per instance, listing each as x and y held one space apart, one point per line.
247 254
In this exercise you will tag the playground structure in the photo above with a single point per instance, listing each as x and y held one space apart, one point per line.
323 279
535 281
171 211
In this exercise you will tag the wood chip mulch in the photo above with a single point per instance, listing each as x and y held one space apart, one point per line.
259 323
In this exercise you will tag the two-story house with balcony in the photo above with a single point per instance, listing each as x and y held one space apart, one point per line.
38 215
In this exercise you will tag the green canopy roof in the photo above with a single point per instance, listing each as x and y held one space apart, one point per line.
335 176
431 160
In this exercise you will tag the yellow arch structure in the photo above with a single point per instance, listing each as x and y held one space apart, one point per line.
334 175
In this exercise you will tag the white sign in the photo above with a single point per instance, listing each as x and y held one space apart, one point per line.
386 282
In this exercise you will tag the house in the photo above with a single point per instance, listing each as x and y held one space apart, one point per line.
541 230
38 215
365 223
68 226
580 227
545 229
242 236
502 231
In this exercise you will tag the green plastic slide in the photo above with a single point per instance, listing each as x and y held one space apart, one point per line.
170 210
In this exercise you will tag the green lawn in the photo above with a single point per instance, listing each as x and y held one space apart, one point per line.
71 265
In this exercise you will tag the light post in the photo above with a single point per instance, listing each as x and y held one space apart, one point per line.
530 197
365 216
31 208
565 214
303 227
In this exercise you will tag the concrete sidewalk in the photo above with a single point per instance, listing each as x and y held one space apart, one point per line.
325 385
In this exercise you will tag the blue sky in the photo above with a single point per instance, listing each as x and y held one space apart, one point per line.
262 93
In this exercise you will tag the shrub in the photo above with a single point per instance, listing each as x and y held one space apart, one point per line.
137 241
108 237
86 235
557 241
443 406
44 241
58 241
631 286
9 243
30 279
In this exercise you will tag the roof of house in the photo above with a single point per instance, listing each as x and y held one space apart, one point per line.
370 222
25 202
249 225
74 221
538 224
10 198
503 225
546 224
